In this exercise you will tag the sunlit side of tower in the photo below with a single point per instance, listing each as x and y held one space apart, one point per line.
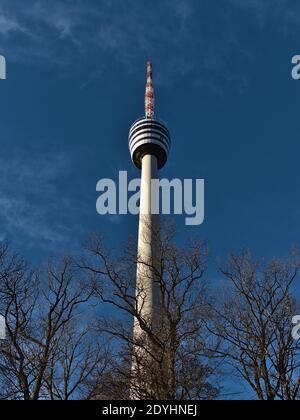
149 144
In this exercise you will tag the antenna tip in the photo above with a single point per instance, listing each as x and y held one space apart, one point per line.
149 96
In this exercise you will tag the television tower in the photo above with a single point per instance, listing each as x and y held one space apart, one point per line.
149 144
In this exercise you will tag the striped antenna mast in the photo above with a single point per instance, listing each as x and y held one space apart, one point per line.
149 96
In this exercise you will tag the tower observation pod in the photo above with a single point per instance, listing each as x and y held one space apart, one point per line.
149 145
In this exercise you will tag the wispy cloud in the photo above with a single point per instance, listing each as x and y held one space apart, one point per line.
8 25
126 28
286 13
60 33
183 11
84 36
123 32
30 203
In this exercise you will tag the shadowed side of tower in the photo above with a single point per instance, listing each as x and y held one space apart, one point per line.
149 144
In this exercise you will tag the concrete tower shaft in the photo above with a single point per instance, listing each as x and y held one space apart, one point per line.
147 283
149 144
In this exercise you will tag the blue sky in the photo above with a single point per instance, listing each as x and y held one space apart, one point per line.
76 75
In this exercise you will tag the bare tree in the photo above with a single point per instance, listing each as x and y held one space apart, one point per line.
253 321
48 353
77 361
170 359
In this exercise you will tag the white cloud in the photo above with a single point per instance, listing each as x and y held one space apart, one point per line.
183 10
84 35
266 10
57 31
28 198
8 25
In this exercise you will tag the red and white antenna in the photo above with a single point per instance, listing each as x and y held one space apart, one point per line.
149 96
